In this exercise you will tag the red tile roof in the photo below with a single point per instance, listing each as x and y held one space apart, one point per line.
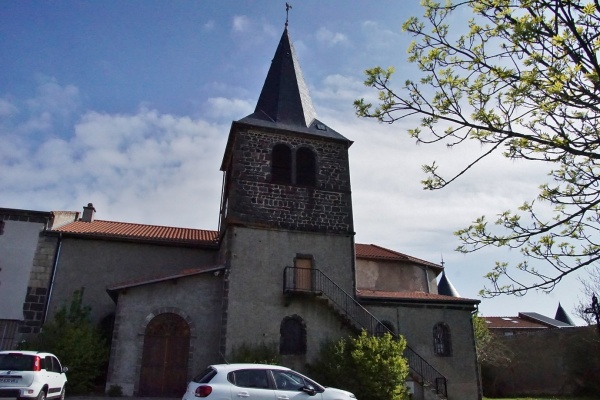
374 252
112 229
180 274
411 296
512 323
113 289
126 230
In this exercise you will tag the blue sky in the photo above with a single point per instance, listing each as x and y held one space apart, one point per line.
127 104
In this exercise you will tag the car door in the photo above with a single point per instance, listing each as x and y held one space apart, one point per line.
59 375
251 384
289 386
52 376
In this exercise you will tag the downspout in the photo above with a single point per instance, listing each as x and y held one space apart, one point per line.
474 314
52 276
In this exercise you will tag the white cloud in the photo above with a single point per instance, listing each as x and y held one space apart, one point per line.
7 108
221 107
340 88
209 25
240 23
330 38
54 98
144 167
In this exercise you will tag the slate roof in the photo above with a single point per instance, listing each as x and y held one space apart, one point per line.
125 230
445 287
562 316
378 253
525 320
539 318
284 101
412 297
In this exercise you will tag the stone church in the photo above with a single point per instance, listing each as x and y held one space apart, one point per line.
283 269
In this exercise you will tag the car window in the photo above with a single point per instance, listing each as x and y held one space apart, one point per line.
47 363
287 380
249 378
16 362
56 365
205 376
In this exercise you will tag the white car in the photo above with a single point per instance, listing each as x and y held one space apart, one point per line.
31 374
258 382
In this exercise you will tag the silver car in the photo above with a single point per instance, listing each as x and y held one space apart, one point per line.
259 382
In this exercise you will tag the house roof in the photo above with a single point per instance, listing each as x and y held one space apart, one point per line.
412 297
539 318
125 230
114 288
510 323
525 320
374 252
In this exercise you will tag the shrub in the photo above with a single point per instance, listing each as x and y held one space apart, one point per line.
78 344
371 367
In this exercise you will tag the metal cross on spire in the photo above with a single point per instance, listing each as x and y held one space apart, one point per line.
287 12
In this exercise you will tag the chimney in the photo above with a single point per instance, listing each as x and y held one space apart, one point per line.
88 213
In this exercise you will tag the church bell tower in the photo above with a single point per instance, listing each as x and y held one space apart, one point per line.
286 202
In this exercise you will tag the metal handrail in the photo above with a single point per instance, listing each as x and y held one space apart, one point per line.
311 280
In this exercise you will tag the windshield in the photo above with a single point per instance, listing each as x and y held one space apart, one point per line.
16 362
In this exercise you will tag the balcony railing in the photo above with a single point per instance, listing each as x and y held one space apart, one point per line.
313 281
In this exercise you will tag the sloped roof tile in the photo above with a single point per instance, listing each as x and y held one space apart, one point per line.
512 323
411 296
125 230
374 252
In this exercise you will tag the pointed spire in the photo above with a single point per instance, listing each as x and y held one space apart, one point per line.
446 288
562 316
284 97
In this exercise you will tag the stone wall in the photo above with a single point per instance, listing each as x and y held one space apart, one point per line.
256 302
416 322
549 362
95 264
197 299
254 199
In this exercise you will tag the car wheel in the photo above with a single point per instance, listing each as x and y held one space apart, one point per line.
42 395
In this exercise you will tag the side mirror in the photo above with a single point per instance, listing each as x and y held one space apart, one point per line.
65 370
309 389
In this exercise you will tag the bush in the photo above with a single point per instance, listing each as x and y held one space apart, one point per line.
78 345
372 368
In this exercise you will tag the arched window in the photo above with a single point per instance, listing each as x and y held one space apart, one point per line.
442 345
383 327
293 336
281 164
306 169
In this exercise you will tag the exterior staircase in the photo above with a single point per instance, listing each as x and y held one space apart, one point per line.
314 282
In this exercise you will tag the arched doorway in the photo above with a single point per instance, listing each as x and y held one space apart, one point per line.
165 357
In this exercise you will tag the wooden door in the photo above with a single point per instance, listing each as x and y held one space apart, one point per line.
165 357
303 273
